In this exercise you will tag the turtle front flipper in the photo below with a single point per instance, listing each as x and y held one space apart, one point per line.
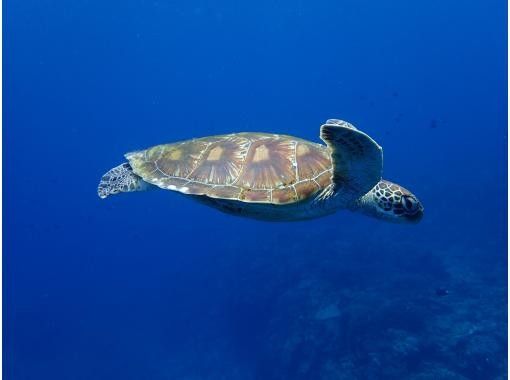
120 179
357 161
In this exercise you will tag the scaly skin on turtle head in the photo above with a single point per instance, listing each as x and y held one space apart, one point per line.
391 202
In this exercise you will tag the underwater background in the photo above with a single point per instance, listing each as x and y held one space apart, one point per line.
154 286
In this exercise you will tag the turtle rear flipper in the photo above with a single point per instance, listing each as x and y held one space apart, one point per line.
120 179
357 160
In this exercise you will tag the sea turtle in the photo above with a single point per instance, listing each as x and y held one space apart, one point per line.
270 176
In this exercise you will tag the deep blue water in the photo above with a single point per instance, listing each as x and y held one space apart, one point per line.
154 286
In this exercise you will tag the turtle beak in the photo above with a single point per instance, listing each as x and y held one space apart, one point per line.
417 216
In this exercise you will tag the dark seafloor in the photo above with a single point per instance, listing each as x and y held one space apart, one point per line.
153 286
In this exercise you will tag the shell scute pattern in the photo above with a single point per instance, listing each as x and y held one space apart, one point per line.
221 161
179 160
268 164
250 167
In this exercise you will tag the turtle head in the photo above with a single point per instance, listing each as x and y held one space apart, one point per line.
391 202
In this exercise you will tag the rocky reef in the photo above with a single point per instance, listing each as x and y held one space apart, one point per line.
344 310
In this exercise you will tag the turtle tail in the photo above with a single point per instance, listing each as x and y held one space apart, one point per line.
120 179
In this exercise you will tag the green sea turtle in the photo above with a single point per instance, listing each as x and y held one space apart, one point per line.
271 177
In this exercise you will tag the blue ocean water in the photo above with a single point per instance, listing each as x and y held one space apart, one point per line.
154 286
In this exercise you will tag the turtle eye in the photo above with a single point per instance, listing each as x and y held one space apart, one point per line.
409 203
